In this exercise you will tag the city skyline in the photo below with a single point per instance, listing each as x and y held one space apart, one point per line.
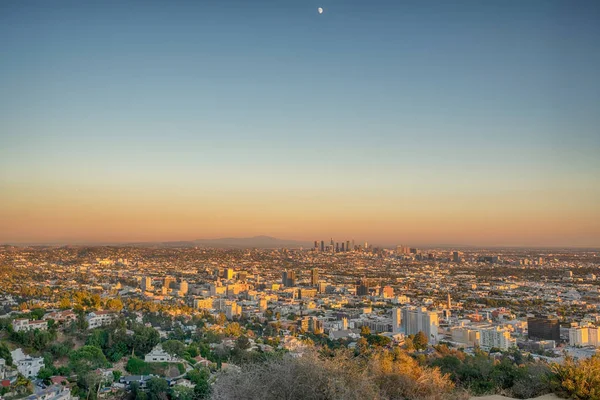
398 122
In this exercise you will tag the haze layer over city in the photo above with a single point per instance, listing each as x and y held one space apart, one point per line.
299 200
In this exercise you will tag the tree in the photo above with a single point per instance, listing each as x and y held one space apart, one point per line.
144 339
242 343
183 393
578 379
365 330
420 341
45 373
86 359
174 347
157 389
5 353
114 304
409 344
362 345
202 389
233 329
65 303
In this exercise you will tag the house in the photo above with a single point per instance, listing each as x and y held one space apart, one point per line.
54 392
202 361
97 319
58 380
141 380
158 355
28 366
61 316
24 325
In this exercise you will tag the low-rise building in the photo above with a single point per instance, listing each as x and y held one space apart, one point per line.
26 365
24 325
158 354
97 319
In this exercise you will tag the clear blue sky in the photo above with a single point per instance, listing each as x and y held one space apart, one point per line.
392 96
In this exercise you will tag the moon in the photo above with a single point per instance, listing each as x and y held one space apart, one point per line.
320 10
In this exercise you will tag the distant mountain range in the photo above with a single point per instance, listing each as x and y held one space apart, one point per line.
261 242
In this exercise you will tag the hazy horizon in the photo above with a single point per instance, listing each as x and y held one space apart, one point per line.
396 122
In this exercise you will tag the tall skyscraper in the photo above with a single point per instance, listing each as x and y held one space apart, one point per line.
362 287
456 257
288 278
322 245
314 277
348 245
343 247
415 319
147 283
396 320
291 279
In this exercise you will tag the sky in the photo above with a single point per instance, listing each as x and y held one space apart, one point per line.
417 122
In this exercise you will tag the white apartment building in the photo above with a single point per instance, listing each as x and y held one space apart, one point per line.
466 336
23 325
496 337
584 336
97 319
419 319
26 365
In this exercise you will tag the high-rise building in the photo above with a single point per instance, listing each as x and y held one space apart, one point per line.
496 337
316 245
262 304
464 335
456 257
337 247
545 328
229 273
584 336
415 319
147 284
183 288
387 292
322 245
314 276
169 282
343 247
396 320
348 245
362 287
288 278
321 287
401 249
